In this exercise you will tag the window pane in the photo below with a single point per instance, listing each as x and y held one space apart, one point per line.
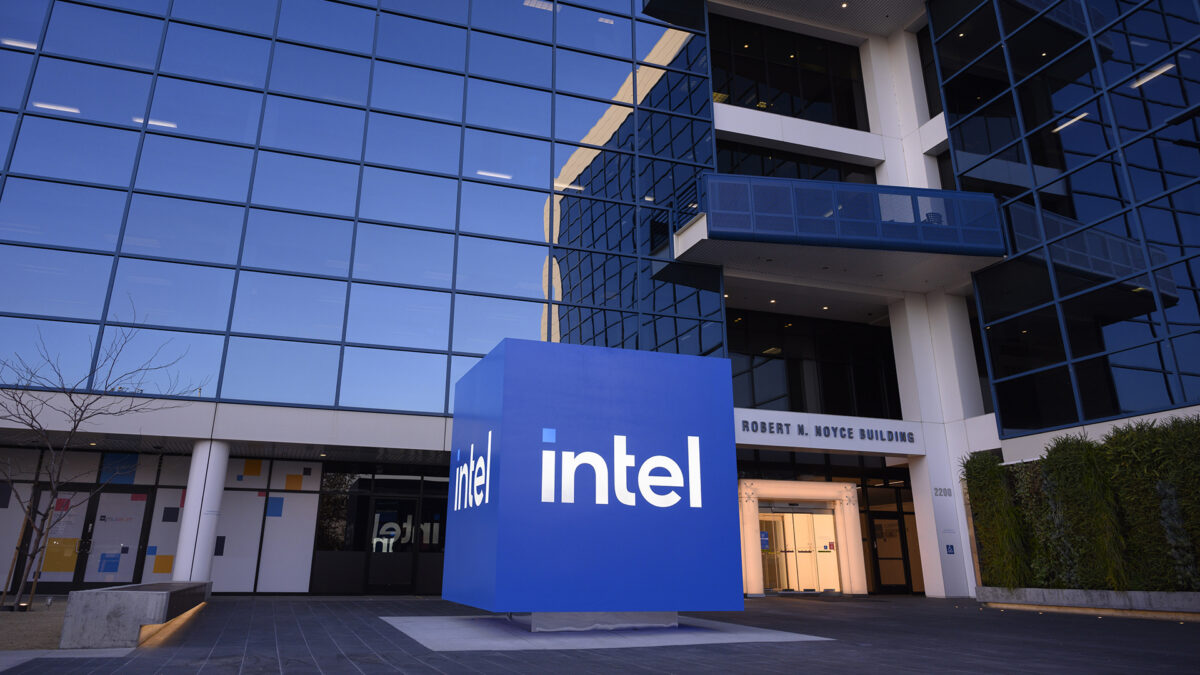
89 92
459 365
1126 382
664 46
507 107
442 93
413 144
194 168
274 304
280 372
369 380
1111 317
14 71
181 228
594 278
588 223
594 31
506 59
327 23
501 267
313 127
255 16
421 42
170 294
585 121
216 55
481 323
601 173
514 17
289 241
398 317
401 255
66 215
446 10
408 198
205 110
1026 342
98 34
148 6
508 159
21 22
75 151
490 209
322 74
304 183
191 360
70 343
53 283
1035 401
594 76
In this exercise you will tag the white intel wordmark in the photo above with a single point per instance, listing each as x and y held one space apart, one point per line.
647 482
471 480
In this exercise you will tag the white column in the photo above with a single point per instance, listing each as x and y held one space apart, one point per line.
201 510
935 369
752 573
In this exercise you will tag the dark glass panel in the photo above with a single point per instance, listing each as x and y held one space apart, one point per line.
170 294
414 144
194 168
394 86
422 42
400 317
115 37
182 228
321 74
1071 140
946 13
1126 382
74 151
1090 194
986 132
292 242
409 198
54 283
1044 39
275 304
1059 88
327 23
80 91
967 41
369 380
971 88
275 371
305 183
1013 285
480 323
1179 289
204 110
491 104
507 59
1172 224
1036 401
401 255
1025 342
318 128
1112 317
215 55
1099 254
55 213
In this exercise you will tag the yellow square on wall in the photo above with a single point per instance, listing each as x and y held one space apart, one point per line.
293 481
253 467
60 555
163 564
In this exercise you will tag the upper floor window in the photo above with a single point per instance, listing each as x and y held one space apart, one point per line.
753 160
776 71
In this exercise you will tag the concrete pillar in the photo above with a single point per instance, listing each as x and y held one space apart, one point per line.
201 511
940 392
752 575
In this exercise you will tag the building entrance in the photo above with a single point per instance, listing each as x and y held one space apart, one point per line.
799 552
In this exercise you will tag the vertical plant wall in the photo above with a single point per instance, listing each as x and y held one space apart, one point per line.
1121 514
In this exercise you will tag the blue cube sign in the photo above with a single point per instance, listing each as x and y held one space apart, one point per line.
588 479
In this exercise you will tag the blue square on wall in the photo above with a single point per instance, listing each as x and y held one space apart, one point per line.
275 507
593 479
109 563
151 550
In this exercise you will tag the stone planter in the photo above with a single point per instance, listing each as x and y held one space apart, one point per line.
1140 601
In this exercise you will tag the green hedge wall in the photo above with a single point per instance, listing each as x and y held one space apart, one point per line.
1122 513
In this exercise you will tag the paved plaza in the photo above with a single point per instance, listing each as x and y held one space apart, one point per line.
252 635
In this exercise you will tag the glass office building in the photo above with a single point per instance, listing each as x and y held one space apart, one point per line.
1082 117
319 214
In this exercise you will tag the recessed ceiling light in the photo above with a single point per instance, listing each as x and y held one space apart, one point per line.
845 5
824 308
91 444
727 295
772 301
962 35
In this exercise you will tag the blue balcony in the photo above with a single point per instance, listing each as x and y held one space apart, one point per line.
851 215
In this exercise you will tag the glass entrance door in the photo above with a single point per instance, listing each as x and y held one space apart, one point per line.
890 568
800 552
392 551
114 550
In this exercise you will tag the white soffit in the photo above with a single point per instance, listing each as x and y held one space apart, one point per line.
858 17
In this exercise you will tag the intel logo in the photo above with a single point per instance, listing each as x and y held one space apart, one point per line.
656 476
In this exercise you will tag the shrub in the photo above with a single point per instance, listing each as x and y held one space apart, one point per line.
999 531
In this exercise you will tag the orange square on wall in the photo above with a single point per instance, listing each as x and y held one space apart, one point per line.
163 564
293 481
253 467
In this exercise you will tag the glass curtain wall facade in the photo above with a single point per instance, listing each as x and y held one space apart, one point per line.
1082 116
345 204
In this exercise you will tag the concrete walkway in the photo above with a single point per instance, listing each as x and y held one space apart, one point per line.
865 634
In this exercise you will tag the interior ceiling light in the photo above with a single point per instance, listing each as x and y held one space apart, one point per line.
1068 123
824 308
962 35
1151 75
772 301
845 5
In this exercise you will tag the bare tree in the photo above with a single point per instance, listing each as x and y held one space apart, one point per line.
54 407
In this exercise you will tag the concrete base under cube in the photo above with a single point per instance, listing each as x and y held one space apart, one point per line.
114 617
553 622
